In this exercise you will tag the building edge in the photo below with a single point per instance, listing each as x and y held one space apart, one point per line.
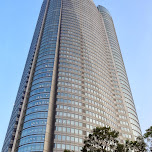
110 30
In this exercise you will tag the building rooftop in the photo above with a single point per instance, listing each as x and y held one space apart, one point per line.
103 9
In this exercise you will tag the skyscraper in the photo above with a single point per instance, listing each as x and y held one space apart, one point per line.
74 80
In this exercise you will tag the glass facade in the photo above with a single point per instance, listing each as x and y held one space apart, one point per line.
74 80
10 135
84 90
34 127
122 75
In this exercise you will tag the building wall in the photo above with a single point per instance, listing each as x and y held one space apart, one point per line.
34 127
87 95
10 135
122 75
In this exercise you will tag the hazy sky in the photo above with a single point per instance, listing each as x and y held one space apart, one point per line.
133 23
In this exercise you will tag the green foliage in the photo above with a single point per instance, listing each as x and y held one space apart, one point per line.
103 139
139 145
148 136
148 133
100 140
67 150
120 148
124 147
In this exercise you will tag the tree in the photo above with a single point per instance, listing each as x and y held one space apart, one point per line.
120 148
139 145
67 150
148 133
103 139
148 136
124 147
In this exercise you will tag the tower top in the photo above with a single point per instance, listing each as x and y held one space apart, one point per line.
103 9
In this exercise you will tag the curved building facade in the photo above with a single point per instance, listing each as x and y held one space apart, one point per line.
74 80
122 75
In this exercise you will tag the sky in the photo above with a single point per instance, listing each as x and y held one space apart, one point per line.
133 23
